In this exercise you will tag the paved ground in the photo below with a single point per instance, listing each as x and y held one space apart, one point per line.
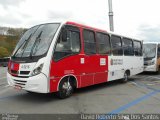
140 95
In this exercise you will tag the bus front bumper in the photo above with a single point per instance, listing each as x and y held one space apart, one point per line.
38 83
150 68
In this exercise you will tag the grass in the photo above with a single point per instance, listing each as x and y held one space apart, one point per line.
8 42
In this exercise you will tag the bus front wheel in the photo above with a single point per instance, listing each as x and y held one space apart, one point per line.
65 88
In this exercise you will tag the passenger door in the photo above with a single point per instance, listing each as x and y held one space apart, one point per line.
89 65
103 43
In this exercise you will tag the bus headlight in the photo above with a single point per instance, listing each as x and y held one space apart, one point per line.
37 70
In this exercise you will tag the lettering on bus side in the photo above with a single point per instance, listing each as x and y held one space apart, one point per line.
116 61
68 71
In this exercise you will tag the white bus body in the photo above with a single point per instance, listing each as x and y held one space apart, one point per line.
58 57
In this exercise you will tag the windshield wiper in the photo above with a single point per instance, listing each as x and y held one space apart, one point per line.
37 40
22 44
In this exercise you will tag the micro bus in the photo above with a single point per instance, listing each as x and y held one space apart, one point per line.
151 53
58 57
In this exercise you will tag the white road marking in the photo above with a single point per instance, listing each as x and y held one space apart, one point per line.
147 77
148 84
131 82
154 77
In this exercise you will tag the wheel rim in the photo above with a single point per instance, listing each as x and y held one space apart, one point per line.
67 88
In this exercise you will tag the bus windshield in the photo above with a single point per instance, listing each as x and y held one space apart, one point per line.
36 41
149 50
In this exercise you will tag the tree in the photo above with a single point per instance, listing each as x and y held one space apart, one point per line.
3 52
16 31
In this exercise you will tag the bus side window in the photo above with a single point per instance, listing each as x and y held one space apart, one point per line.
89 42
137 48
103 43
67 46
116 45
128 47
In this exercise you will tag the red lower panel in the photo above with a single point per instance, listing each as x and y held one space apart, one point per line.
100 78
86 80
54 84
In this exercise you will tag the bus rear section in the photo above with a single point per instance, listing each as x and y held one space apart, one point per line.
126 58
151 53
74 56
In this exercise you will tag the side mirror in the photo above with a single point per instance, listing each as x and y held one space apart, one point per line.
64 35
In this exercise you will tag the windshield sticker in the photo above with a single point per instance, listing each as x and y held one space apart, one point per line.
82 60
102 61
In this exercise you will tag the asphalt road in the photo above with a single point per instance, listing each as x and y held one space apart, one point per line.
3 71
140 95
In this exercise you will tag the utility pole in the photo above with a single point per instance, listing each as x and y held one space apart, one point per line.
110 15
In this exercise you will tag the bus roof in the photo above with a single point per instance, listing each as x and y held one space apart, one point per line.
151 42
84 26
96 29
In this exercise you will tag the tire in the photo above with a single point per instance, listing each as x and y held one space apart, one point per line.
30 92
65 88
125 77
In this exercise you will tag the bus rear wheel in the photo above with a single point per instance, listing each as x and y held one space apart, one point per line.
125 77
65 89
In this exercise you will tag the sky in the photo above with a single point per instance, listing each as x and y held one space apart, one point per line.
139 19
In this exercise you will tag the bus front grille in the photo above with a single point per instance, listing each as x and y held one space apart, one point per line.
24 72
20 83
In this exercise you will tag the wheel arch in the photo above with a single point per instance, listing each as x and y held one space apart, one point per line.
74 80
128 72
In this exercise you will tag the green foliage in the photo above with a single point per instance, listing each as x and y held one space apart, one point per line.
3 52
16 31
9 41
